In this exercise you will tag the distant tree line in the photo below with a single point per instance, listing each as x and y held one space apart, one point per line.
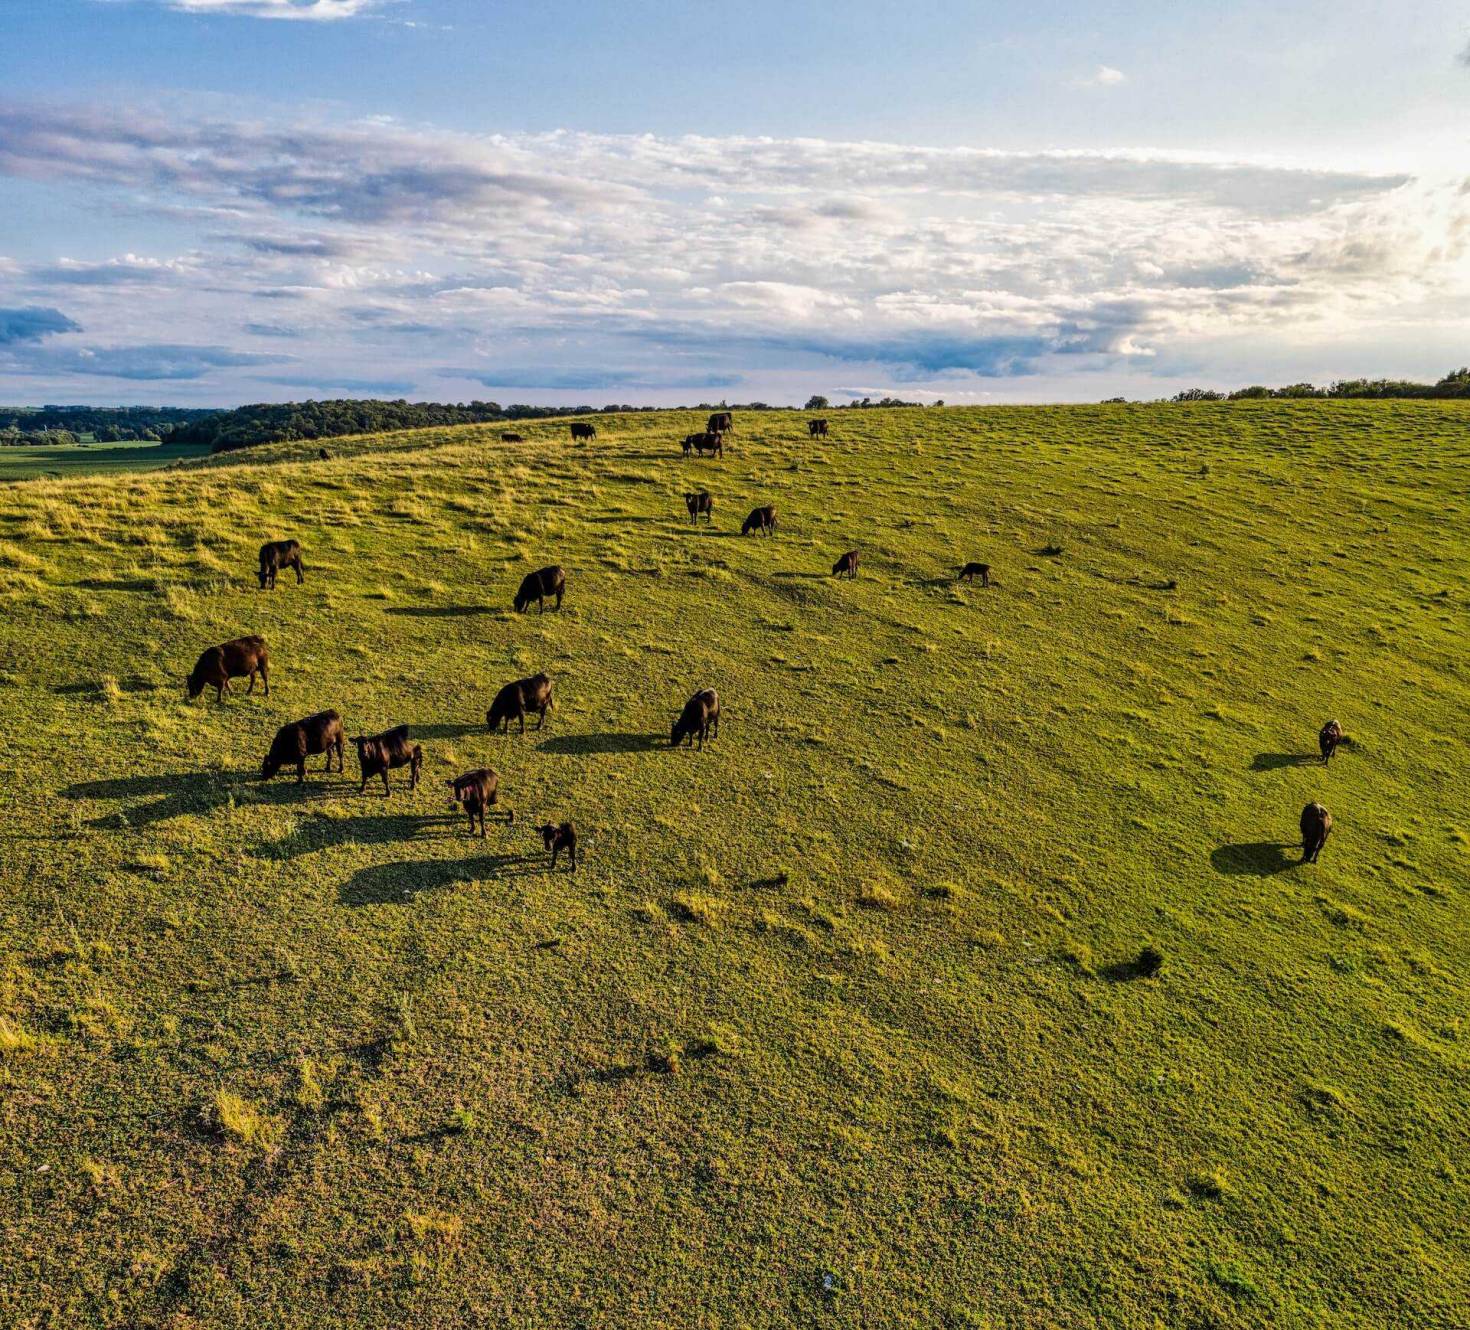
1454 384
275 422
52 425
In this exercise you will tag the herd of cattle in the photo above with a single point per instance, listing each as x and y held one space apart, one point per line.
477 791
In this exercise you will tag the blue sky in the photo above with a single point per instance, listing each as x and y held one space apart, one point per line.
217 201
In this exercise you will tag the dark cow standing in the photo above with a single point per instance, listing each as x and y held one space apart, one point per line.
582 430
816 427
1328 737
516 699
1316 824
379 754
720 422
701 714
760 519
538 586
559 838
278 554
973 570
700 502
231 660
714 444
511 438
847 565
294 743
476 791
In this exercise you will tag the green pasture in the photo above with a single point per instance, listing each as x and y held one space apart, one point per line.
840 1022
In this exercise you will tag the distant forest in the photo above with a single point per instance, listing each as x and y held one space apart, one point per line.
104 424
1454 384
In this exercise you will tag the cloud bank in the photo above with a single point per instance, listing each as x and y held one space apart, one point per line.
383 254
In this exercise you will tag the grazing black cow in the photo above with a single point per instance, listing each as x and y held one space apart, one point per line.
713 444
816 428
275 555
582 430
700 502
973 570
1316 824
847 565
324 455
514 700
1328 737
720 422
559 838
294 743
701 714
476 791
511 438
379 754
538 586
231 660
760 519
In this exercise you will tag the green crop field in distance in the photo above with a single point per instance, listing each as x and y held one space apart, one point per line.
840 1022
22 462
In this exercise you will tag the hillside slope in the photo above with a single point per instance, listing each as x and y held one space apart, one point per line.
836 1024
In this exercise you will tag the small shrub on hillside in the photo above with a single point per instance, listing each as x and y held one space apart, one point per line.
16 1041
233 1118
691 907
875 897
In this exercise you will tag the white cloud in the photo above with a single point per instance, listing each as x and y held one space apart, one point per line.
377 243
1104 76
320 11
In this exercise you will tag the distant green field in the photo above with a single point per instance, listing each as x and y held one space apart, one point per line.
75 459
839 1023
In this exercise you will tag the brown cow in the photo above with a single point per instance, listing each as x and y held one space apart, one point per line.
701 713
1328 737
551 581
511 438
294 743
1316 824
760 519
582 430
700 502
275 555
514 700
973 570
476 791
379 754
231 660
816 427
558 838
847 565
720 422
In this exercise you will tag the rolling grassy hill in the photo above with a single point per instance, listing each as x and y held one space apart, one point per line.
839 1022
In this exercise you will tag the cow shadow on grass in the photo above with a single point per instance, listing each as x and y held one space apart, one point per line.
398 884
92 688
792 574
584 745
1256 859
441 611
1275 761
173 794
324 833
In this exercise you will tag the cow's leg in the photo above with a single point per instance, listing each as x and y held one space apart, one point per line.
386 790
555 849
301 769
299 578
523 721
572 855
558 600
542 721
265 678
